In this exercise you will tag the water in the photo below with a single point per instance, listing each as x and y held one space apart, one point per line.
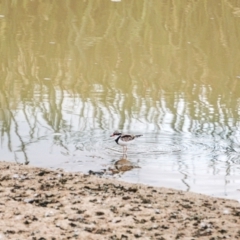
73 72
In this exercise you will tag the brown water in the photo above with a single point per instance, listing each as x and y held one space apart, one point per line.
72 72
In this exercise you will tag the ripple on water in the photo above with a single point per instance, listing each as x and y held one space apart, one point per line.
153 147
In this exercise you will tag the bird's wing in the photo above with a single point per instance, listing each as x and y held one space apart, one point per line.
127 137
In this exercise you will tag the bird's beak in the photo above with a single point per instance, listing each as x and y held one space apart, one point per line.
112 135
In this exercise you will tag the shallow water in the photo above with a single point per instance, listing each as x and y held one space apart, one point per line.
73 72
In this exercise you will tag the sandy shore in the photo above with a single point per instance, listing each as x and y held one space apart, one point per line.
38 203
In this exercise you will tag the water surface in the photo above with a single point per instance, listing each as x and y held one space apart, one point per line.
72 72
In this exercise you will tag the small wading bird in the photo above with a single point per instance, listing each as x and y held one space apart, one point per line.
124 140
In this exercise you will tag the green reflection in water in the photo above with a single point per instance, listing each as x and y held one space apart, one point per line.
147 66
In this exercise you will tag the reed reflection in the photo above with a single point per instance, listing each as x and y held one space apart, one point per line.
58 111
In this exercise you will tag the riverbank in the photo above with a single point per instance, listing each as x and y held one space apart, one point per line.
37 203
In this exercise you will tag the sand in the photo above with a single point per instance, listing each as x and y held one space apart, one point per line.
37 203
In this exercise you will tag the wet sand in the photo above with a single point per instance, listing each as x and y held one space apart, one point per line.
37 203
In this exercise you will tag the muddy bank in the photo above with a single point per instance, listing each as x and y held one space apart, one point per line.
38 203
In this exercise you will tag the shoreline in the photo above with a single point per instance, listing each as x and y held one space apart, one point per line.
52 204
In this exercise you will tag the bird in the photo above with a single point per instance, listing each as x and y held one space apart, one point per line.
124 140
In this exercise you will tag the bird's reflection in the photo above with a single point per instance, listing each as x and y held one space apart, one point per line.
119 167
123 165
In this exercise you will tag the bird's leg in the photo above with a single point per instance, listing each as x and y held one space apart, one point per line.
124 151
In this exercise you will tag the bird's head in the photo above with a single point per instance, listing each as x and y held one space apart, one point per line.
116 133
